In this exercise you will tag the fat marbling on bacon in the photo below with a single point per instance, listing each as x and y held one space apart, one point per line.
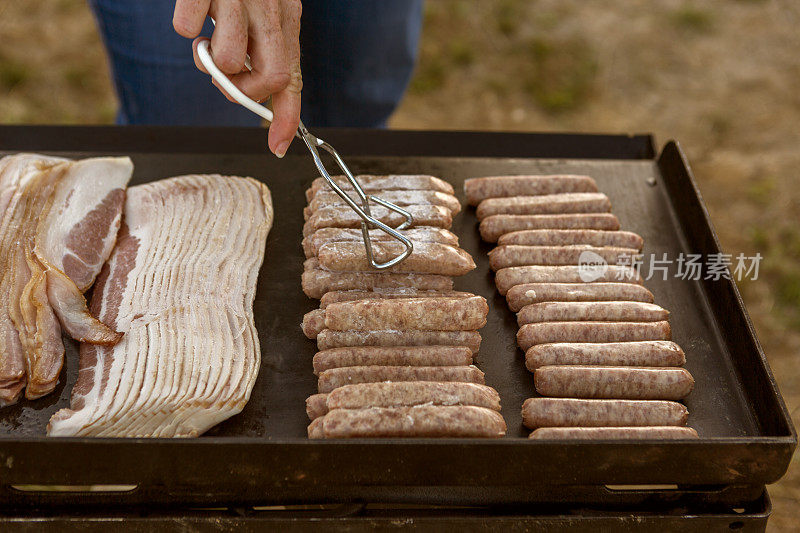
180 285
59 222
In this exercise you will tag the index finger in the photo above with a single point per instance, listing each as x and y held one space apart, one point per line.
189 17
286 103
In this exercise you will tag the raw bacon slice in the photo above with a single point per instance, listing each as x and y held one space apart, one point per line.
80 228
44 351
16 174
180 285
70 306
59 222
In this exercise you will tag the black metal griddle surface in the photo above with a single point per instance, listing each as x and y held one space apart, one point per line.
724 404
277 405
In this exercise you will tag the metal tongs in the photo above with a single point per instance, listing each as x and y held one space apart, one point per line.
313 143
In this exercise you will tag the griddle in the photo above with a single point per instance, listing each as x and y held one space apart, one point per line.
262 456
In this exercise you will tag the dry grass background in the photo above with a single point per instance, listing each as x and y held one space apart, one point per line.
721 76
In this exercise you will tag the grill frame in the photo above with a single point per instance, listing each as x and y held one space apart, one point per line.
268 468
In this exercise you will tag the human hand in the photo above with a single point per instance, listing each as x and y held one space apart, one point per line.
267 30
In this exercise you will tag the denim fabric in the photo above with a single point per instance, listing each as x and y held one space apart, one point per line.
357 59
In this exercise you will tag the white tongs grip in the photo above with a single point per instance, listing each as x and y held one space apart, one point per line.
313 143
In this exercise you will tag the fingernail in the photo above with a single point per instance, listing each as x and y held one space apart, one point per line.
280 151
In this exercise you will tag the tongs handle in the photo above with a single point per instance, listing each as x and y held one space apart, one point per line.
205 58
313 143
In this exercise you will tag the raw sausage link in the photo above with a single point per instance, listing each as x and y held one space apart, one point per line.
316 406
642 353
549 332
344 217
316 282
313 323
419 421
315 428
414 337
442 314
591 311
550 204
316 240
426 258
387 294
512 255
327 198
392 356
337 377
390 182
621 382
652 432
479 189
566 237
505 278
570 412
524 294
409 393
493 227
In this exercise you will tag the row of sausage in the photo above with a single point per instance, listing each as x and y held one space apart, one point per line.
599 348
395 348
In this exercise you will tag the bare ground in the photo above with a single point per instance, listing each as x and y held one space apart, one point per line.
720 76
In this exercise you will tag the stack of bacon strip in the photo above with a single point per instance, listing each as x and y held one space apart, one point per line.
180 284
597 345
58 224
396 346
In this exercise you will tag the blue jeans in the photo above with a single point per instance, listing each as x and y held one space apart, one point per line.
357 59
